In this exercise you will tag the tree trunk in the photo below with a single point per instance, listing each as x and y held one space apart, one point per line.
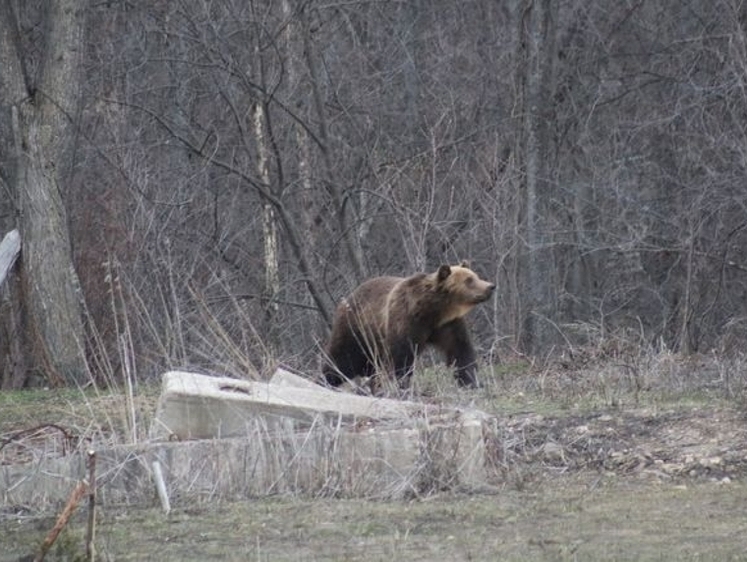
293 46
43 112
269 224
537 33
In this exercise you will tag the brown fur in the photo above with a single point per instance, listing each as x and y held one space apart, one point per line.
387 321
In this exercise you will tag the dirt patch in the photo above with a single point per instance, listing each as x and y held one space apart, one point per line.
703 443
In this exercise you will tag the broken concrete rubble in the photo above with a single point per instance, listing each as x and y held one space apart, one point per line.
220 438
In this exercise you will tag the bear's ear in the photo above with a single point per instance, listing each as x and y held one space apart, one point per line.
465 263
443 272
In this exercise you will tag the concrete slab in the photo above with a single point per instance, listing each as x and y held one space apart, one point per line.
284 377
324 460
221 438
194 406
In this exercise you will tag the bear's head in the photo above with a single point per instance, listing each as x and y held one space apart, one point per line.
463 288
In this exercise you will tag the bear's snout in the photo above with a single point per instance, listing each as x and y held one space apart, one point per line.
486 293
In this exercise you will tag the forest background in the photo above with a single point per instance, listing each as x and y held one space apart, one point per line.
197 183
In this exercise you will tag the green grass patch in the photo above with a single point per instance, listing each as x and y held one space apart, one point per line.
564 519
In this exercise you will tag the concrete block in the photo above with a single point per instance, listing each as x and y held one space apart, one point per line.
240 439
194 406
324 460
284 377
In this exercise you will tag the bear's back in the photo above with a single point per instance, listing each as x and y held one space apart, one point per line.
373 294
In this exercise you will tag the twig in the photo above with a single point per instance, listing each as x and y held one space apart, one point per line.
67 445
72 503
91 529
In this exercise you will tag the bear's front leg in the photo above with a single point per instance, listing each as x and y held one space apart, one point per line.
403 362
454 342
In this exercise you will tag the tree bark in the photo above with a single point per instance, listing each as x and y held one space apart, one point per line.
537 38
269 222
43 110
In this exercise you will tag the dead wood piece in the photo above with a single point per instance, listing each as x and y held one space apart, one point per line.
9 248
72 503
91 527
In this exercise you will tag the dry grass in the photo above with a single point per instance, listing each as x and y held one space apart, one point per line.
44 423
589 458
598 518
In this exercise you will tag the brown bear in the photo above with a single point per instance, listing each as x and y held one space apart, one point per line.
384 323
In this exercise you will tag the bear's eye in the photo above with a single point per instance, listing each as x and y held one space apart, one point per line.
469 282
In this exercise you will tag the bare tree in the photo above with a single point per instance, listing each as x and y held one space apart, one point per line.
39 97
537 32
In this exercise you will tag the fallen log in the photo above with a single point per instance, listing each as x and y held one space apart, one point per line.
9 248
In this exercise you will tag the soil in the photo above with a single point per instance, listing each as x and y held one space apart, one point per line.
697 443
